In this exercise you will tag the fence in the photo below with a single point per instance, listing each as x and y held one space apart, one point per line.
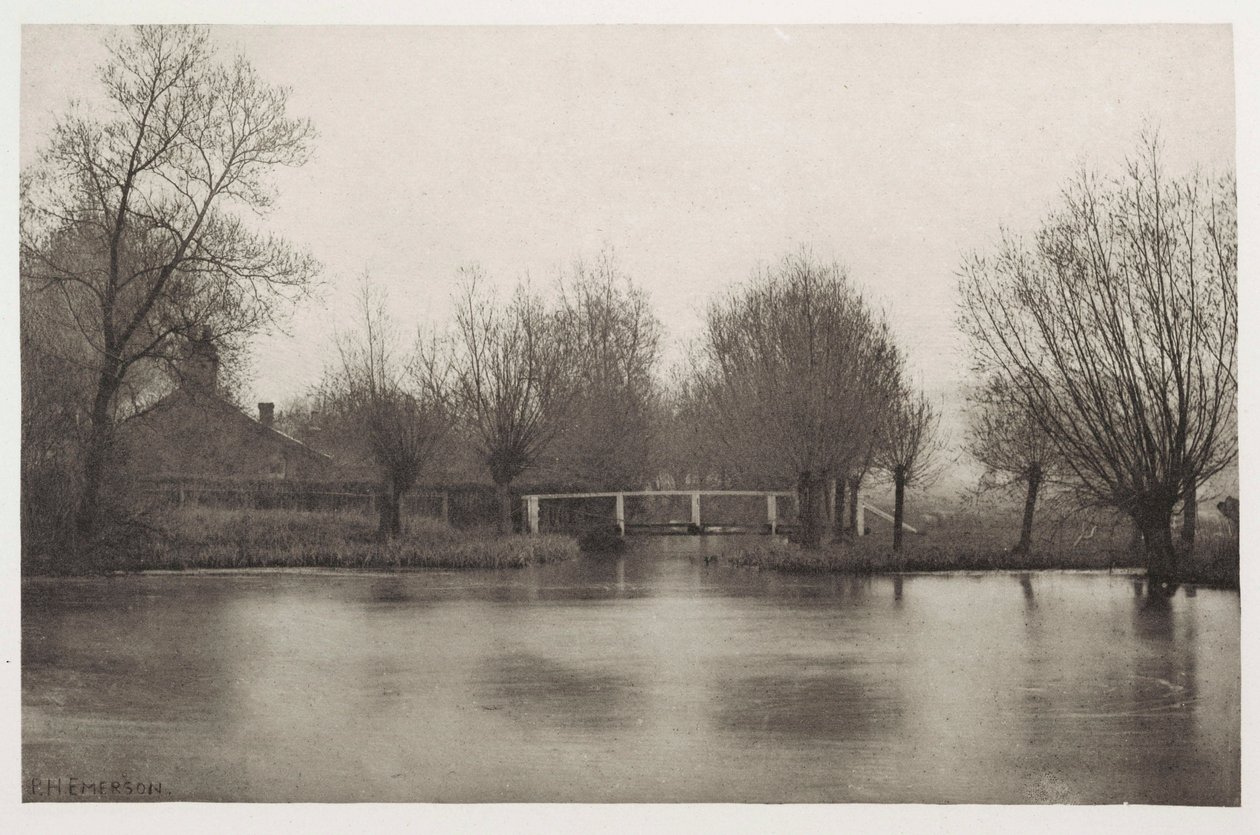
330 497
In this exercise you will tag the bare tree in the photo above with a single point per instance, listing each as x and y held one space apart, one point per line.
134 216
613 338
1116 327
685 447
908 449
511 374
797 368
1012 446
394 407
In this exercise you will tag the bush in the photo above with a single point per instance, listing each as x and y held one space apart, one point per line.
51 542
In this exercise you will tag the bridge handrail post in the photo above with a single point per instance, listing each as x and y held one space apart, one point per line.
531 513
859 520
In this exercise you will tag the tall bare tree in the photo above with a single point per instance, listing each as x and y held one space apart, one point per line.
908 450
395 407
512 379
1013 448
614 339
1116 326
135 215
798 368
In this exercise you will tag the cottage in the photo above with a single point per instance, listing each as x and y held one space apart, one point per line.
195 433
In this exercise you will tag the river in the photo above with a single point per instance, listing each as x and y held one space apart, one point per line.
649 677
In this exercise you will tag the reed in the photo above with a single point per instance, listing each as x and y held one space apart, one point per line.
224 538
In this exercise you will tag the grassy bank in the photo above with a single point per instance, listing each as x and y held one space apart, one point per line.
861 558
968 545
223 538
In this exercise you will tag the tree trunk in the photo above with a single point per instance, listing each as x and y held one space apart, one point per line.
505 507
855 486
96 457
810 500
1030 506
1190 519
899 505
1154 520
840 506
390 526
828 485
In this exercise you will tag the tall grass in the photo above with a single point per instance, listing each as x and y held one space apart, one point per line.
1214 562
226 538
863 556
979 542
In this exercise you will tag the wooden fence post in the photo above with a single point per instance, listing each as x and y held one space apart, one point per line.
621 514
772 512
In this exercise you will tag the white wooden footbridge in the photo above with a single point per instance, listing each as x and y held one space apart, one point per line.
774 522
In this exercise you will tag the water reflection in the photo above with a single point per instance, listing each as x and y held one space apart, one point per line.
533 688
1025 583
390 589
646 676
810 706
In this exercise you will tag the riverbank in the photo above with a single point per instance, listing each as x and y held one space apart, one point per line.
224 538
1215 563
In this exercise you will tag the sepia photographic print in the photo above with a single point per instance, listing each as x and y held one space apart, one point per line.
629 414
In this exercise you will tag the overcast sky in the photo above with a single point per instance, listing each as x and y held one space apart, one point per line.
694 152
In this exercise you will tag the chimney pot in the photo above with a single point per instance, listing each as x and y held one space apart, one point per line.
267 414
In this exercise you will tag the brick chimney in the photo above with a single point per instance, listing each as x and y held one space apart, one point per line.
267 414
201 368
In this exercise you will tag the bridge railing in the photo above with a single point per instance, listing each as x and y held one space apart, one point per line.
774 520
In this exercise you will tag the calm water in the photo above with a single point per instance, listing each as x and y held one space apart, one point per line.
651 677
